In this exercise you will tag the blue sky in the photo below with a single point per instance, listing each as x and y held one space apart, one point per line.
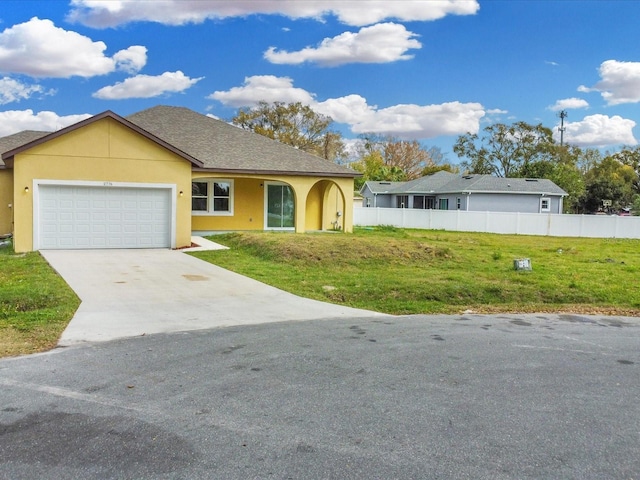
427 70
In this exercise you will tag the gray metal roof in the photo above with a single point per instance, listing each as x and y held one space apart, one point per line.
445 182
225 148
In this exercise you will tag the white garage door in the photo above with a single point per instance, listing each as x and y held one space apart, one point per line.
73 217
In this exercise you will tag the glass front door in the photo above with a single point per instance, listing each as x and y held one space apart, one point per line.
280 206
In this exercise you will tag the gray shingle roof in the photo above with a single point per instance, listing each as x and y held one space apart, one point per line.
446 182
208 143
430 183
383 187
491 184
10 142
224 148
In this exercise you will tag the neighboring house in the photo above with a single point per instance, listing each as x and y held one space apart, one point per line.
154 178
474 193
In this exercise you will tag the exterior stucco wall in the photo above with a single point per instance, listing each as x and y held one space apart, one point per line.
334 207
317 201
314 204
103 151
479 202
381 200
6 199
248 206
453 201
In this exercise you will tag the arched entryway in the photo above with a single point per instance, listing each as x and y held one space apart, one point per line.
325 207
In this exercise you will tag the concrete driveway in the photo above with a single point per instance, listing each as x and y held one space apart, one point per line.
127 293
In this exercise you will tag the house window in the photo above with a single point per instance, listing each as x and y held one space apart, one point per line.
458 203
402 201
443 204
424 202
545 204
212 197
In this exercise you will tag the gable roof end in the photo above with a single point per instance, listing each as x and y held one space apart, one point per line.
7 156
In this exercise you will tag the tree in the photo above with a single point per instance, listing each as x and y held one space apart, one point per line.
561 168
609 180
504 149
630 157
407 156
635 206
373 168
294 124
431 169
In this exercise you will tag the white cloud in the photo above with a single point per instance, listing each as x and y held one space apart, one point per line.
600 131
132 59
40 49
266 88
12 90
349 109
404 121
568 103
381 43
147 86
423 121
109 13
14 121
620 82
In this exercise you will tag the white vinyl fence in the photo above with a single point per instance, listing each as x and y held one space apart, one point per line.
567 225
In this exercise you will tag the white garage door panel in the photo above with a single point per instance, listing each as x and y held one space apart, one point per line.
104 217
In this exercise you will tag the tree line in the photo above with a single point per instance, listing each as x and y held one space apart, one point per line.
594 181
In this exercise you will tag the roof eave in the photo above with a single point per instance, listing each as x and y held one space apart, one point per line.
469 191
277 172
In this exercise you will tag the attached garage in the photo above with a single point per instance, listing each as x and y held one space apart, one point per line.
84 217
102 183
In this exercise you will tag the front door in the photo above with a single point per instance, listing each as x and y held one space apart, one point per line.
280 213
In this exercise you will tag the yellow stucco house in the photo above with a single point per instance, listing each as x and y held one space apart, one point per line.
153 179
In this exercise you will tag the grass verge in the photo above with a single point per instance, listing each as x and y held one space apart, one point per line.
36 305
418 271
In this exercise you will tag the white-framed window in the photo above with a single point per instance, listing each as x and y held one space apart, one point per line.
212 197
458 203
545 204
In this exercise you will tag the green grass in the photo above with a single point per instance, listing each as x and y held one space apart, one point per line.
35 304
383 269
416 271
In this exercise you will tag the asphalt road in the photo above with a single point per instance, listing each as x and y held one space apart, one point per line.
477 397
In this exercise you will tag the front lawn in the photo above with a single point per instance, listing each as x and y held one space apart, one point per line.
419 271
35 304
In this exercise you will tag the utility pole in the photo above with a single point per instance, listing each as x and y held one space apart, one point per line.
563 114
